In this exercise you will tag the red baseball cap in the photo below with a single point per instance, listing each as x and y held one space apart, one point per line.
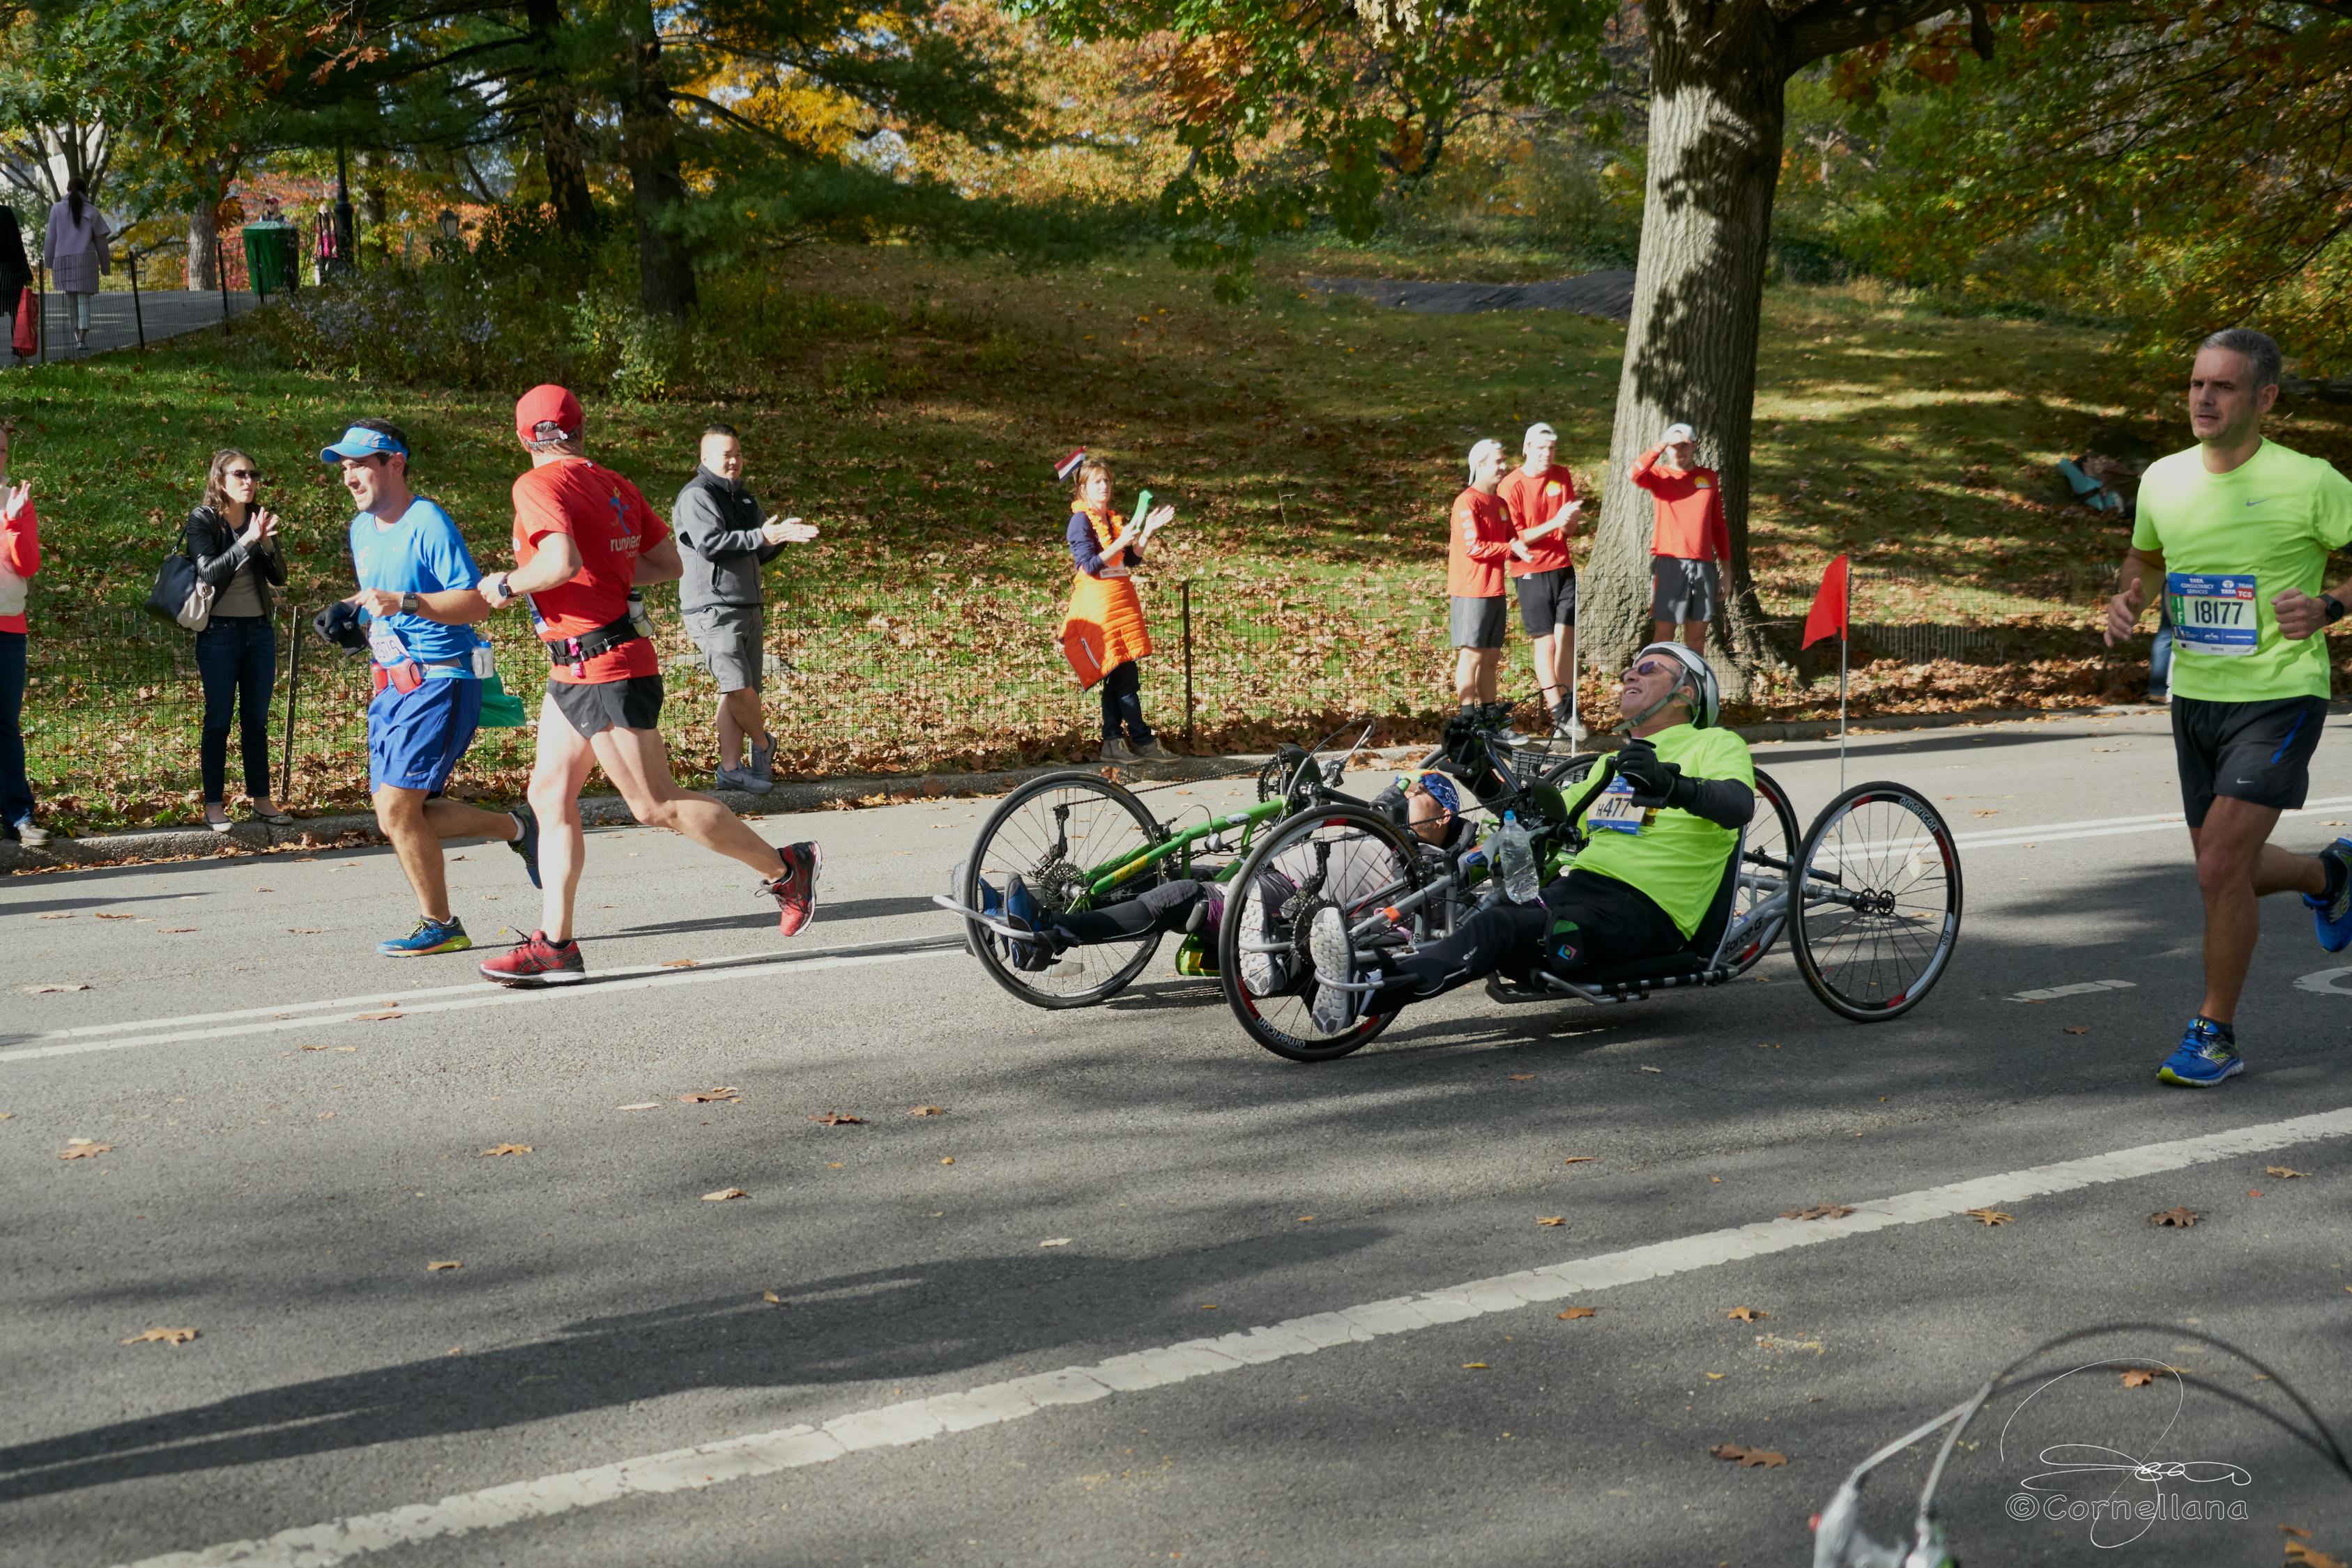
547 404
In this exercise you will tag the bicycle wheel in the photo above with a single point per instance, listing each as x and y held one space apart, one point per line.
1345 855
1058 834
1769 851
1880 904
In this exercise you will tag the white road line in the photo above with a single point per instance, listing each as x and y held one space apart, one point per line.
486 995
2108 827
919 1420
2081 989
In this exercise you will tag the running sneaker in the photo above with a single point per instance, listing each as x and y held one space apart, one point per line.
2333 917
1498 714
2207 1055
795 888
526 842
1565 725
1333 1008
430 936
535 963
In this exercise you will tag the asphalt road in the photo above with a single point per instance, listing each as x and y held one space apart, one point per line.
1416 1395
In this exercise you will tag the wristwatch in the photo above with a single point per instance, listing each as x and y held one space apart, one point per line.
506 591
409 604
2335 609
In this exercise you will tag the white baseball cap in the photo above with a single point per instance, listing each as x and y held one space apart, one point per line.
1537 431
1678 432
1488 447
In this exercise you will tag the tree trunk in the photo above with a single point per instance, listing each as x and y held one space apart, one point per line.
204 248
1716 124
559 151
649 142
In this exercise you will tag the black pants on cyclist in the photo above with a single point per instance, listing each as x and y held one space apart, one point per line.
1166 907
1584 921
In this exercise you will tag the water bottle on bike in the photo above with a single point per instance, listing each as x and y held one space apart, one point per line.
1514 856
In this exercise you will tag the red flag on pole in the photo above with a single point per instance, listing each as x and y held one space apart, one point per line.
1828 616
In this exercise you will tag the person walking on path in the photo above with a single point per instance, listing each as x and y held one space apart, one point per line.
1103 635
20 558
724 543
1688 540
583 535
1541 499
2237 530
233 540
16 302
76 251
1479 544
418 599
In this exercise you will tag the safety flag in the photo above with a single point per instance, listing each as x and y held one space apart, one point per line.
1828 616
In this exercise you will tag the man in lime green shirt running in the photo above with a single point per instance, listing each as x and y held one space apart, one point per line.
2235 532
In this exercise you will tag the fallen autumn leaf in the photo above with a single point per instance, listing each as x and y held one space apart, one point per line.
506 1149
1818 1211
926 1111
712 1096
1746 1315
1580 1159
2137 1377
162 1336
45 990
1750 1459
1990 1216
443 1266
2175 1216
838 1119
723 1193
2283 1173
1574 1313
2077 1029
385 1017
84 1148
681 963
1553 1219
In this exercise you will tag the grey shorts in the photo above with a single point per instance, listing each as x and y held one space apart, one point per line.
1478 622
729 636
1682 590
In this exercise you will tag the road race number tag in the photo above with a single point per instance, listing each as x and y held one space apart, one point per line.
2213 615
1615 813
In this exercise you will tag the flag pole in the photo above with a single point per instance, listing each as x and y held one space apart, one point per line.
1845 609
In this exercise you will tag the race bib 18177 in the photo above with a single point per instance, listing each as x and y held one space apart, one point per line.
2212 615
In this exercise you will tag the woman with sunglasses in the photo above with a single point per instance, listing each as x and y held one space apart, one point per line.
233 540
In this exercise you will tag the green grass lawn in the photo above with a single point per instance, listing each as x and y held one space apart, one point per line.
1312 445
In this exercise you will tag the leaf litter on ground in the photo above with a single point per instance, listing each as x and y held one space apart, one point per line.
1990 1216
1818 1211
724 1194
2174 1216
1750 1459
162 1336
84 1149
498 1149
838 1119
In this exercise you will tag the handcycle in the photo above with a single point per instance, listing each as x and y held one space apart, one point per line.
1081 842
1870 897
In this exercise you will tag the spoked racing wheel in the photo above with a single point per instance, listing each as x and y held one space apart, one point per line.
1876 908
1061 834
1764 856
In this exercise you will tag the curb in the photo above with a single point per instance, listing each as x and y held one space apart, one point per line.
878 790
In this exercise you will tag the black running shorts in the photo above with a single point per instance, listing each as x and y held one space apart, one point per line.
1546 600
2255 752
633 703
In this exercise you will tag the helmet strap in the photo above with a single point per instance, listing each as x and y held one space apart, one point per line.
1629 725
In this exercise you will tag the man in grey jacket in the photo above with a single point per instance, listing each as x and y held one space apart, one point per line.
724 543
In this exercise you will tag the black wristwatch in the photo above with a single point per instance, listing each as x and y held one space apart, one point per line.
409 604
2334 610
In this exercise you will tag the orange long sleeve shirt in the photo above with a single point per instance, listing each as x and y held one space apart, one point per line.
1690 510
1480 542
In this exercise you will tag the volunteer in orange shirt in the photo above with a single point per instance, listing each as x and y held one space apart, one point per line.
1103 635
1690 540
1542 497
1479 543
584 537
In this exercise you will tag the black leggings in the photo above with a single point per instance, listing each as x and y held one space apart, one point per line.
1122 703
1585 919
1167 907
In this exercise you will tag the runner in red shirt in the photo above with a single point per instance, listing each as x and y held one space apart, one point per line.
584 537
1541 497
1479 542
1689 539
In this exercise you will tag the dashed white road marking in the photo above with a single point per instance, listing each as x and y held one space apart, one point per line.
920 1420
464 998
2108 827
2326 982
2082 988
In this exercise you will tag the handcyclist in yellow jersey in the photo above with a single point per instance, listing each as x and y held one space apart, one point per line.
2235 532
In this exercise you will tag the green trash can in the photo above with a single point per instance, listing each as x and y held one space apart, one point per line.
272 258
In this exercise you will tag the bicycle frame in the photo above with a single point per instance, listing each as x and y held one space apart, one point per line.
1101 879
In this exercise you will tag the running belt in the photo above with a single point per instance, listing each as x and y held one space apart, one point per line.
590 644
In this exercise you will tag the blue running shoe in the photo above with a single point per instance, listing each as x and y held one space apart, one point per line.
526 843
2332 918
2206 1057
430 936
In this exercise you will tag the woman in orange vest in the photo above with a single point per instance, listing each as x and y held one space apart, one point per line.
1103 635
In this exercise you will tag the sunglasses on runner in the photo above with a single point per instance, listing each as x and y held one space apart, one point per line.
1652 667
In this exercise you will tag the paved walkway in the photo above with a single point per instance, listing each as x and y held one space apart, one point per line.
1609 294
162 313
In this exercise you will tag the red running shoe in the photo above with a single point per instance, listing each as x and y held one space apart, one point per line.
536 963
795 888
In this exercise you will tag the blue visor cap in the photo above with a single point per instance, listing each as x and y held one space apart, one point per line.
361 442
1441 788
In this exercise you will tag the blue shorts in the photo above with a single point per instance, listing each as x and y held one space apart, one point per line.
416 739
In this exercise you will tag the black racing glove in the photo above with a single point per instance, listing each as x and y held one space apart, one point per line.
1391 803
339 624
1656 781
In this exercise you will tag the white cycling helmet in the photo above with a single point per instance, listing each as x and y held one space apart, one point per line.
1706 694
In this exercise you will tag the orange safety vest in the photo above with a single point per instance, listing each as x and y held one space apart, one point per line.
1103 628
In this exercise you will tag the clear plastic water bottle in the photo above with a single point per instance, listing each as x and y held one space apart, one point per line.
639 616
1515 857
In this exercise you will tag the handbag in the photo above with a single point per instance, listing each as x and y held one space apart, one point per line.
26 340
180 596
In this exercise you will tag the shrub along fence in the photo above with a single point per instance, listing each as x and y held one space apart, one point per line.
965 676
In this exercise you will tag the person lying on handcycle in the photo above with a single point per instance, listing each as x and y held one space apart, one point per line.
1657 840
1426 803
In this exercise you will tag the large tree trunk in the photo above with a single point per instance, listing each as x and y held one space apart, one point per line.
1715 118
649 142
560 148
204 247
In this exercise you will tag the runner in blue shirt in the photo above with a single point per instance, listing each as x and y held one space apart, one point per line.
414 615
